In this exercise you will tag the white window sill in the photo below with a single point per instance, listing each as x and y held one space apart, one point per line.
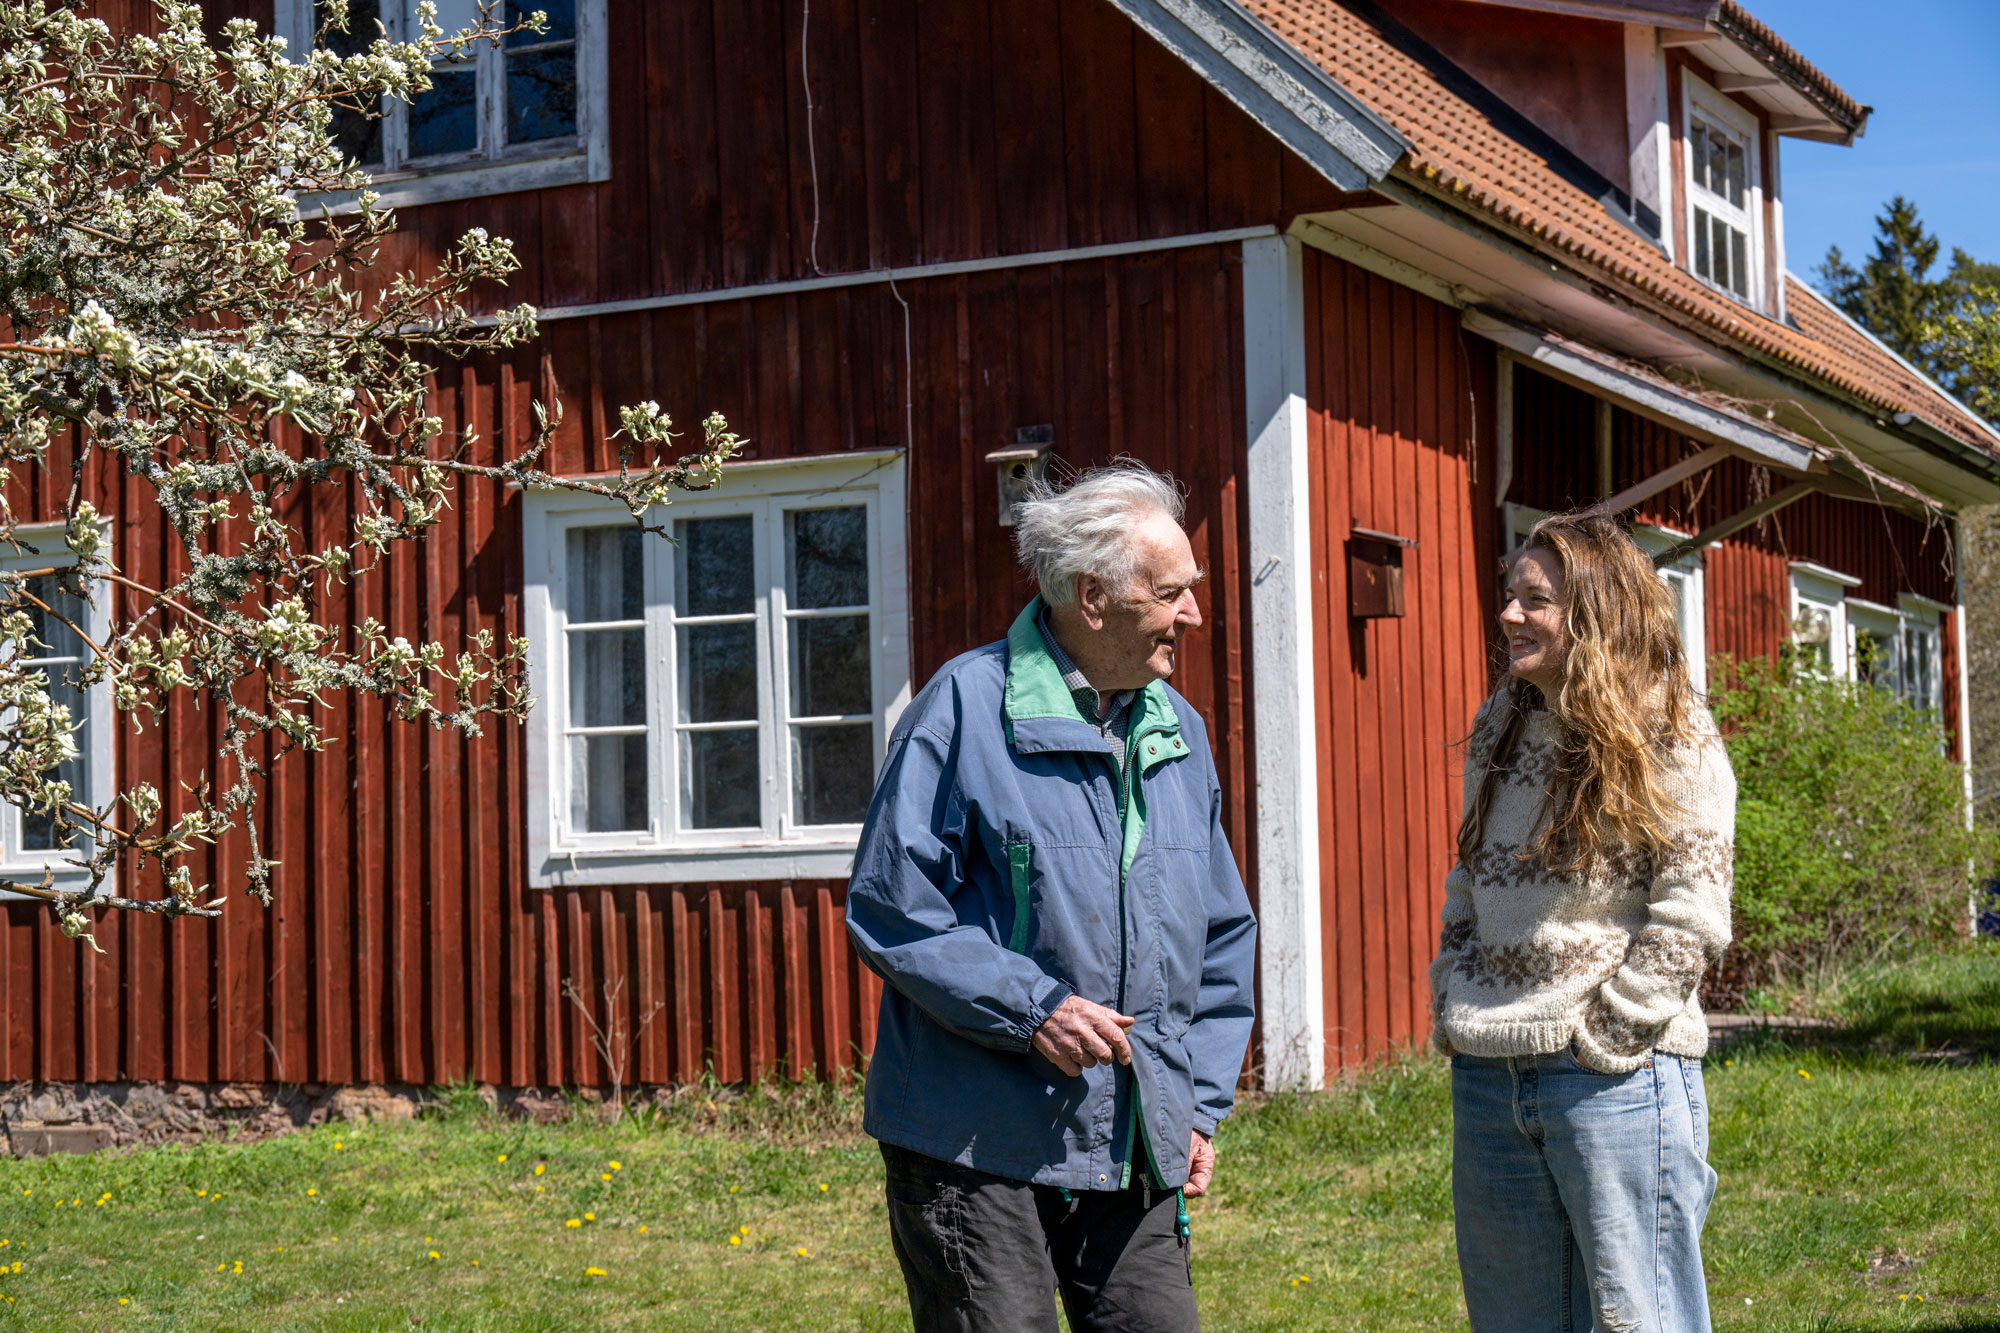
830 858
470 181
65 879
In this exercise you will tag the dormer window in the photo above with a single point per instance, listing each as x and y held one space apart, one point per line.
1724 201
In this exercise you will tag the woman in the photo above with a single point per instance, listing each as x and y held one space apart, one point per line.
1592 889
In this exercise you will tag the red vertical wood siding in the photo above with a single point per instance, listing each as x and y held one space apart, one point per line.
405 945
1397 401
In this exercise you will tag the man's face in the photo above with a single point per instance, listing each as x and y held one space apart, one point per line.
1138 628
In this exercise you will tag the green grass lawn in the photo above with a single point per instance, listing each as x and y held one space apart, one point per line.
1860 1191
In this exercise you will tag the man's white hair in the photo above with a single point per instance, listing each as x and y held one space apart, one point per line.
1086 527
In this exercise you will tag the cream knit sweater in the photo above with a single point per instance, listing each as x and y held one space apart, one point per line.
1531 962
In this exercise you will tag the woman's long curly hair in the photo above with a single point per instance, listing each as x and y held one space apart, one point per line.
1624 699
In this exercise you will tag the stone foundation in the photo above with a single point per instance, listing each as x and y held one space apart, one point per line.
40 1118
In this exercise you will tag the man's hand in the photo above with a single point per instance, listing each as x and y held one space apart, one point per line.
1080 1035
1201 1165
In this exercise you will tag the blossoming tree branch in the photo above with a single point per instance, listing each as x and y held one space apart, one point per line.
167 308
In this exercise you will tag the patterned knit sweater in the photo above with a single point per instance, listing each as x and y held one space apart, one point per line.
1611 960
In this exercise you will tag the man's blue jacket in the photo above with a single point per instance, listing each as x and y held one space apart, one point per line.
1004 865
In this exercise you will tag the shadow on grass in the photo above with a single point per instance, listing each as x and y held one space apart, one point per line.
1943 1007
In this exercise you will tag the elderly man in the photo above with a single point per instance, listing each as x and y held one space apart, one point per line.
1044 885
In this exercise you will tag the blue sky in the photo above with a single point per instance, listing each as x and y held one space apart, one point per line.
1927 67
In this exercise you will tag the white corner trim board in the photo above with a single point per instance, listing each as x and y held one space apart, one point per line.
1281 618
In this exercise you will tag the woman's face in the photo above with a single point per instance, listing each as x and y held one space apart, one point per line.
1531 616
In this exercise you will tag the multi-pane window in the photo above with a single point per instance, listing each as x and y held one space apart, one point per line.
1820 636
1900 649
60 618
718 703
533 103
1684 581
1723 196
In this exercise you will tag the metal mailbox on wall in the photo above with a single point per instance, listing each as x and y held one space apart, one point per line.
1375 573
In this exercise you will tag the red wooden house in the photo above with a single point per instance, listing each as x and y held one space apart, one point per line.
1378 280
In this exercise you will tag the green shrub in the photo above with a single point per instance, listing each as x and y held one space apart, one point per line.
1851 842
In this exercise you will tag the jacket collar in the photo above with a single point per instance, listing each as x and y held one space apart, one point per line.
1040 713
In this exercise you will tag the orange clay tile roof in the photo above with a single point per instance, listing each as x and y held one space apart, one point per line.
1460 157
1734 18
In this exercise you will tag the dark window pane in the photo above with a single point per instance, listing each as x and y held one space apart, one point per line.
607 678
830 667
607 574
718 673
358 136
1737 174
717 566
1717 164
1698 151
607 784
835 771
541 95
1701 242
445 119
1739 267
562 21
828 551
719 779
37 827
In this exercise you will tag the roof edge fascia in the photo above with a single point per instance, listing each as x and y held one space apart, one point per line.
1685 16
1897 357
1276 85
1977 463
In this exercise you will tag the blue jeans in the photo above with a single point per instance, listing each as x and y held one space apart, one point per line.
1580 1196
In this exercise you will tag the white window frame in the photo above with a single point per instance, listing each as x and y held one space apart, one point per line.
1697 95
1684 576
780 849
524 167
46 547
1817 588
1921 614
1880 622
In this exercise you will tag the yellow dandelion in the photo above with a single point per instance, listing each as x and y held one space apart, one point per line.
743 1231
732 1189
573 1223
540 1167
503 1156
822 1187
615 1167
736 1240
604 1175
312 1192
590 1217
475 1263
427 1240
802 1251
540 1188
237 1267
124 1300
642 1228
436 1255
595 1272
220 1267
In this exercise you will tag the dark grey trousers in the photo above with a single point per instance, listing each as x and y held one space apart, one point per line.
981 1253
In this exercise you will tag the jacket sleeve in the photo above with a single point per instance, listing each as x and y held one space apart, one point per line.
1687 919
1225 1004
909 863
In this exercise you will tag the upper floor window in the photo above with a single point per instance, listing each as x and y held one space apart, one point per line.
1900 648
1724 198
715 707
29 844
526 113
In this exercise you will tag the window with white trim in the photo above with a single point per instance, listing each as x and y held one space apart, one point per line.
526 113
1819 617
715 707
29 847
1724 193
1921 680
1683 580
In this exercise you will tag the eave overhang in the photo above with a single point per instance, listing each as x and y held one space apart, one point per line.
1275 85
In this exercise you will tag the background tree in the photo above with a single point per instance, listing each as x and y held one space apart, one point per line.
165 307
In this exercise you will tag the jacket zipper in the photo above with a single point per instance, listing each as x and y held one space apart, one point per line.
1135 1135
